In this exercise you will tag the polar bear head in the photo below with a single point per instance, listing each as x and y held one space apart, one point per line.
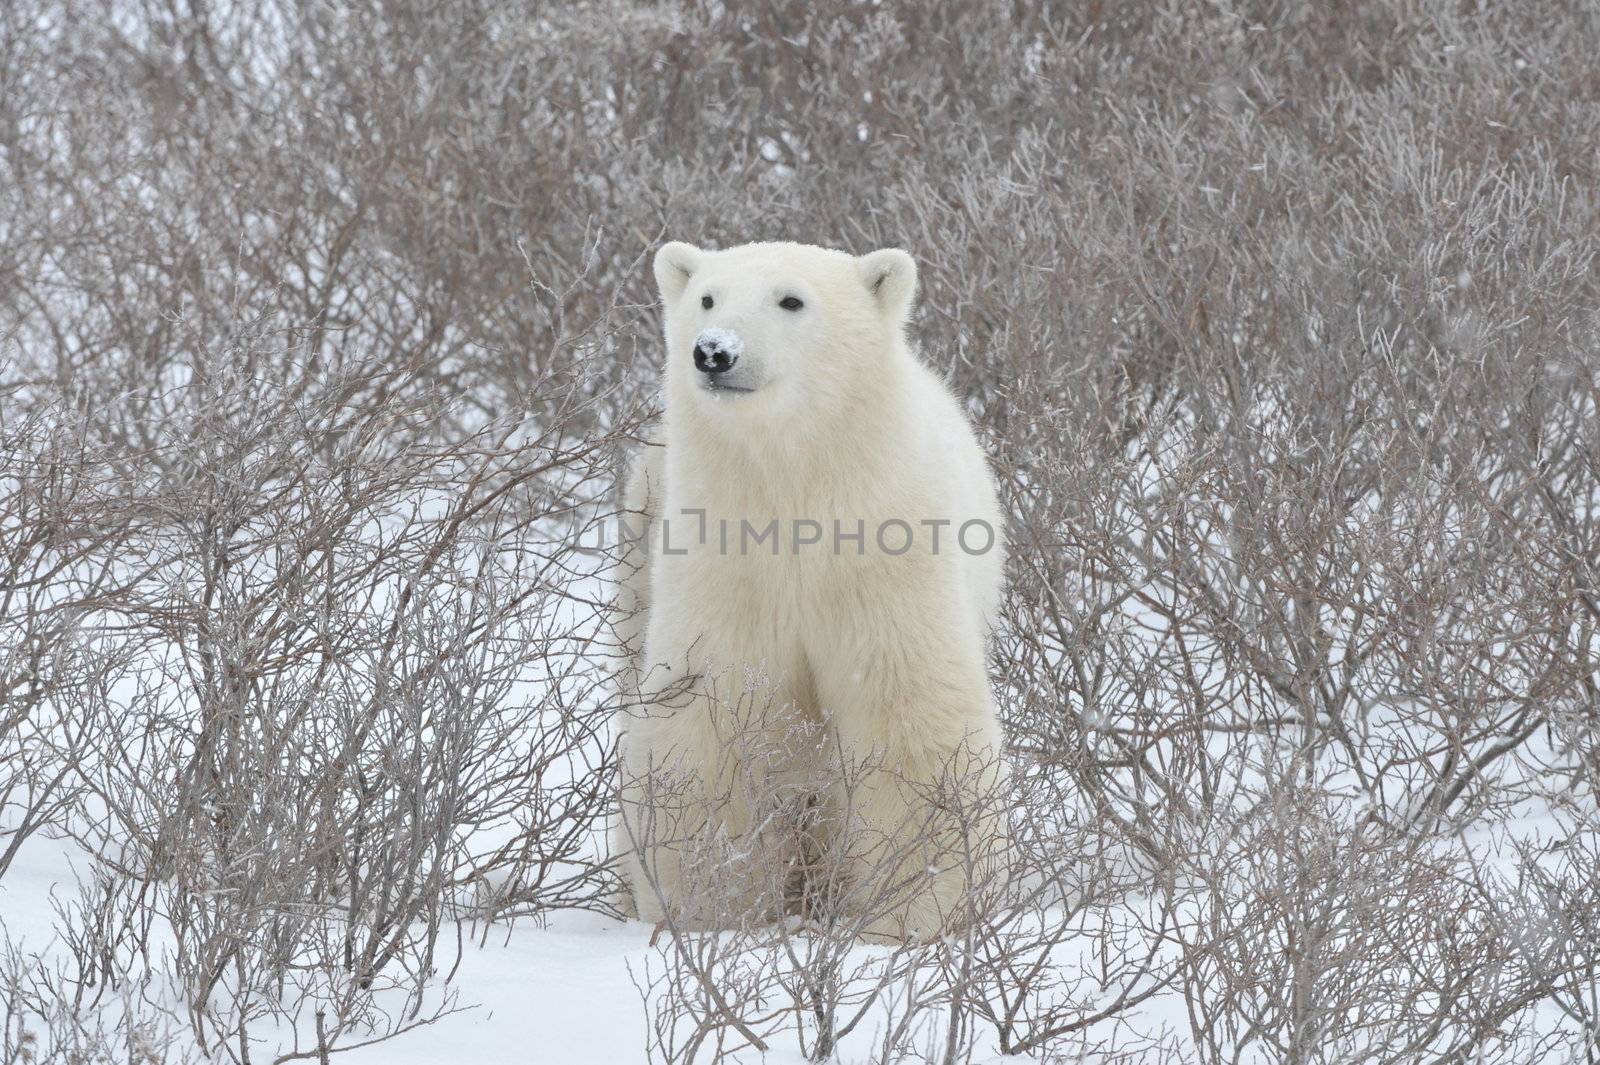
766 333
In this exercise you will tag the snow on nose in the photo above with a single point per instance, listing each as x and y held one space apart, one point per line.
726 341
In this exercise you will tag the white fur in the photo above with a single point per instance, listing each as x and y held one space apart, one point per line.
884 653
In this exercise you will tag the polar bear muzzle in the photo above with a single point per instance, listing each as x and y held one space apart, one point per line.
716 355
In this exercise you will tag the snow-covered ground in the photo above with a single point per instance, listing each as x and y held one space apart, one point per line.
531 994
556 992
560 993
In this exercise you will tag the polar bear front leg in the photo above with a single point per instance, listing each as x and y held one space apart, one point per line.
703 769
919 813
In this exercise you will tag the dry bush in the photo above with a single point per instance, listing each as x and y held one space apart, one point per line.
320 338
336 690
306 636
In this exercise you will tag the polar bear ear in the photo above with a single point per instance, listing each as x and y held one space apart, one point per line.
891 277
675 263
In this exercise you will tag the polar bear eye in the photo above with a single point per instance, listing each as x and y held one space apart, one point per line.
706 302
790 303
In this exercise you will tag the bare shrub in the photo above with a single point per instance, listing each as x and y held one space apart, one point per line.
322 329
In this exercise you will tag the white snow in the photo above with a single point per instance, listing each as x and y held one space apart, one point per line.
726 339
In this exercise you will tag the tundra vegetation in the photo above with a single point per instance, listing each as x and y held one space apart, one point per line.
325 329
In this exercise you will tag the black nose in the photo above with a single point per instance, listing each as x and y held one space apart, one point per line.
712 358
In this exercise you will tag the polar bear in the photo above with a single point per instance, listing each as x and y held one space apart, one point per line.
824 539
